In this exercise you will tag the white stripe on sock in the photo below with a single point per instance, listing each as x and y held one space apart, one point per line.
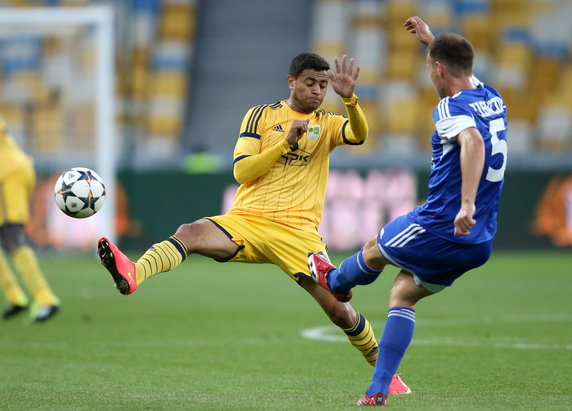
407 314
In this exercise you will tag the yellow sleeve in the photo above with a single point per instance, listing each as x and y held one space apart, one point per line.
249 167
249 162
358 130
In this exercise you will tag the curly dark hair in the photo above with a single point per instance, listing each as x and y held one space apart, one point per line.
305 61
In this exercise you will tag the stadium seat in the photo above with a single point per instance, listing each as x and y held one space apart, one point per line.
402 64
47 129
178 20
521 139
169 75
328 39
555 128
477 28
396 11
368 48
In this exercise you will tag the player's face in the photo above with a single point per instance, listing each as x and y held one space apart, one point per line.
436 78
307 91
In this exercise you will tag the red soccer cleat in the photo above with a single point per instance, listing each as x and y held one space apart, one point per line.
374 400
121 268
397 386
320 267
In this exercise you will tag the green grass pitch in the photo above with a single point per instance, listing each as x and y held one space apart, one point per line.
213 336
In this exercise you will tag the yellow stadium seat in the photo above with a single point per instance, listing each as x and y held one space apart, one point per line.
165 125
140 85
371 111
47 131
177 22
402 64
399 10
15 117
478 29
401 40
515 54
402 116
169 83
329 50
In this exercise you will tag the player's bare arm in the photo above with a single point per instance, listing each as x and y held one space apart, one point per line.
472 163
417 26
343 81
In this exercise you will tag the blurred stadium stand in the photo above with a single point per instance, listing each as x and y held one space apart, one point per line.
522 48
188 70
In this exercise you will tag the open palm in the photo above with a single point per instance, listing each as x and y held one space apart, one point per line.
343 81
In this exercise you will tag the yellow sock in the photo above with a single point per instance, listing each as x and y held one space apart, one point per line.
362 337
14 293
159 258
26 263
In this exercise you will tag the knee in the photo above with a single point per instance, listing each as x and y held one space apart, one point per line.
370 247
184 230
372 256
341 314
189 235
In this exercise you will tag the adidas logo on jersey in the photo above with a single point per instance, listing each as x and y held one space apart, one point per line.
278 128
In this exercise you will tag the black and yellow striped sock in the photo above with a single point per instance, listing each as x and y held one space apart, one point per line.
159 258
362 337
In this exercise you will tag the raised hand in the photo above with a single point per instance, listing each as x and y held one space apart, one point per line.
343 81
421 30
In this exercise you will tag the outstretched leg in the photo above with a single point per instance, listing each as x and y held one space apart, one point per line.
201 237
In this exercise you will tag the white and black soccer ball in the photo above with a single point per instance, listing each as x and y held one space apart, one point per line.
79 192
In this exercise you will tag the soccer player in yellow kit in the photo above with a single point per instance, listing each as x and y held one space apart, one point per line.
281 161
17 179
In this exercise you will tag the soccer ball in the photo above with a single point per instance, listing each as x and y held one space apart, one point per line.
79 192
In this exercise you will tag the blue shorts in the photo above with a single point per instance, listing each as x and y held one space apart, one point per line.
434 262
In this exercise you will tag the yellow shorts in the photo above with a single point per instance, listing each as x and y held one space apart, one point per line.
15 192
263 241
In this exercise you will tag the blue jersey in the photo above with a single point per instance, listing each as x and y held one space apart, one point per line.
484 109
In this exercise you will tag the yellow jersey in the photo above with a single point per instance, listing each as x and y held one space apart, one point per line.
12 158
292 188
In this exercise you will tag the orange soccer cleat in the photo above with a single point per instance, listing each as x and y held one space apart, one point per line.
397 386
121 268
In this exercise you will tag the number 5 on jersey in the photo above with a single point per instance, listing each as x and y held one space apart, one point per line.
498 147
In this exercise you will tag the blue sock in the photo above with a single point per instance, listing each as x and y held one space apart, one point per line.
396 337
351 272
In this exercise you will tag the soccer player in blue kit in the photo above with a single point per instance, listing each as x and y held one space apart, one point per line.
453 231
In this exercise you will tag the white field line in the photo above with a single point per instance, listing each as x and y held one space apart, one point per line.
331 333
